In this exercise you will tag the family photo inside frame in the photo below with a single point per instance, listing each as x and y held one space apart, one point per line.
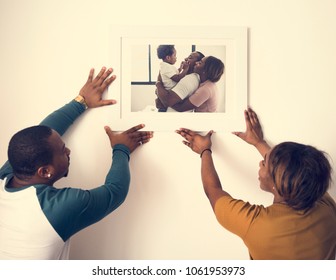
136 61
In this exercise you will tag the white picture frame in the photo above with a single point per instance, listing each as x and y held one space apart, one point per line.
227 43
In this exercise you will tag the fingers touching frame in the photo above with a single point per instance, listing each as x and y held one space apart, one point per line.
135 128
252 117
186 134
132 137
139 136
194 140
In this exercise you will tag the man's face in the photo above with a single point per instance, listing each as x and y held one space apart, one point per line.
199 65
191 59
61 156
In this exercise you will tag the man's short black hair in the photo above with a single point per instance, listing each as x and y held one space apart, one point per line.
29 149
200 55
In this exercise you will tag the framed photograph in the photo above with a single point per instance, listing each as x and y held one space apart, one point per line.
134 58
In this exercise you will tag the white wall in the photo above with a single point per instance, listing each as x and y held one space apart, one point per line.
46 51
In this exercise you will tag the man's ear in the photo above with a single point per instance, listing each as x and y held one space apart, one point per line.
45 172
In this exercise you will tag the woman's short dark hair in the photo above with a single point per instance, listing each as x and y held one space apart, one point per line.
214 68
301 173
29 149
165 50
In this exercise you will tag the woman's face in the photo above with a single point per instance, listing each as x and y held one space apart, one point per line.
266 182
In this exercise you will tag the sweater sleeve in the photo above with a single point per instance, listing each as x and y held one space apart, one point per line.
6 170
73 209
63 118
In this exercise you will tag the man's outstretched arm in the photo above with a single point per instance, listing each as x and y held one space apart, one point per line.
90 96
